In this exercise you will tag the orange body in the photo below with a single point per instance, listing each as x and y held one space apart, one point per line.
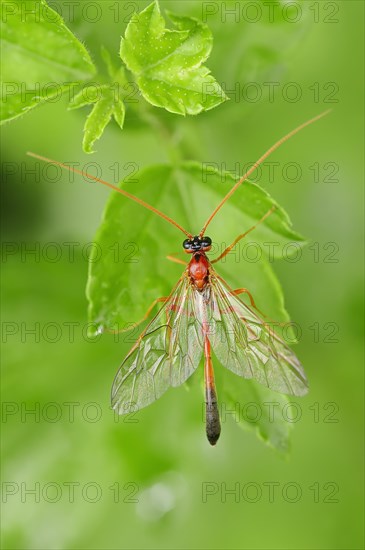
198 270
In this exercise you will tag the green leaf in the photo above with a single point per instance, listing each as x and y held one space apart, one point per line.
107 103
40 56
257 408
107 100
168 64
129 269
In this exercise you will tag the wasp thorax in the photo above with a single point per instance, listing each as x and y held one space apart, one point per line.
197 243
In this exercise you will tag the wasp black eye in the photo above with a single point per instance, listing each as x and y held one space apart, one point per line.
196 243
206 241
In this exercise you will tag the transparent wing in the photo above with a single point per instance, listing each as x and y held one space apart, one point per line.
247 346
166 354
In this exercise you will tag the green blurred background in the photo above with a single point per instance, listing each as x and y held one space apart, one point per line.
143 484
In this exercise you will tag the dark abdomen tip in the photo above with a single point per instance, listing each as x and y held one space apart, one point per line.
213 425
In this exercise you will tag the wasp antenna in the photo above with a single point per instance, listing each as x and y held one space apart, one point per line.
114 187
258 162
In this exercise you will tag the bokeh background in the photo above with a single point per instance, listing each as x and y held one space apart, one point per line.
101 482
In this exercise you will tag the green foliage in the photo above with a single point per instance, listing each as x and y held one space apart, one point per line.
40 56
167 63
107 103
167 66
